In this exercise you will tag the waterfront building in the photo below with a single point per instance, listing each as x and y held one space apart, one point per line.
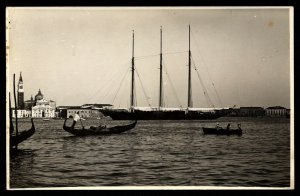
42 107
21 113
28 104
235 112
52 104
96 113
276 111
70 111
36 108
97 106
85 111
62 111
288 113
251 111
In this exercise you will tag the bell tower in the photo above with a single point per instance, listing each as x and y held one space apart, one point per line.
20 93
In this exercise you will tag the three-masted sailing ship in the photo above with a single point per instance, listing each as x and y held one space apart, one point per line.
161 113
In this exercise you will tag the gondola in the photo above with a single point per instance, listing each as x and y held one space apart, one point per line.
99 130
16 139
221 131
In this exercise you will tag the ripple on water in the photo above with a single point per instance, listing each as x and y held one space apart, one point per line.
156 153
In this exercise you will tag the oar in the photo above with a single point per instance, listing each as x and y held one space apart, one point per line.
16 116
81 123
11 127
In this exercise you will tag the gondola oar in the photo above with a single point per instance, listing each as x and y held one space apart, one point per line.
11 126
81 123
16 114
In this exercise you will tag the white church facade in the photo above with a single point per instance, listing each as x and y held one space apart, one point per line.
42 109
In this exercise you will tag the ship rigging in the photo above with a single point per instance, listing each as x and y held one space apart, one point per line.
162 113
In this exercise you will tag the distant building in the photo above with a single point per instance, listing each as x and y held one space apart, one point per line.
276 111
251 111
29 104
42 109
96 113
21 113
96 106
96 109
52 104
62 111
69 111
37 107
234 112
288 113
85 111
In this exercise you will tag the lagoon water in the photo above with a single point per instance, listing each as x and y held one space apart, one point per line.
155 153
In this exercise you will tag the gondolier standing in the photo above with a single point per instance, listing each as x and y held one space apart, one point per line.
75 119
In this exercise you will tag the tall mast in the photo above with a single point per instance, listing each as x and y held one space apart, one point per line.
189 74
132 74
160 75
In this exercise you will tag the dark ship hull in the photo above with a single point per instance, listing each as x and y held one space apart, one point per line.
164 115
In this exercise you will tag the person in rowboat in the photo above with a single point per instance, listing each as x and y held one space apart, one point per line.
102 126
239 126
228 126
75 119
218 126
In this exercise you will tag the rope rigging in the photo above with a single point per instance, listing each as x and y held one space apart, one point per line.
145 94
106 89
114 80
204 63
165 71
120 85
208 100
172 86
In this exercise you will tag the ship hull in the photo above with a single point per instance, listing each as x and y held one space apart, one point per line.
163 115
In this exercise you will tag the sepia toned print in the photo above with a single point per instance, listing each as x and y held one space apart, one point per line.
155 98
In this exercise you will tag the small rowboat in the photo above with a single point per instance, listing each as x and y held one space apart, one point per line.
221 131
99 130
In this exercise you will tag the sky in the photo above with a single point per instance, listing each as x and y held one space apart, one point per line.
83 55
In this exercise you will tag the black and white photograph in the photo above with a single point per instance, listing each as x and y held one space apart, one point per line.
109 98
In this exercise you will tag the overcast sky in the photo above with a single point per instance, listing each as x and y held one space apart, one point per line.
82 55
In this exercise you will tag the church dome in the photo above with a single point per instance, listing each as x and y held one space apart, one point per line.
39 96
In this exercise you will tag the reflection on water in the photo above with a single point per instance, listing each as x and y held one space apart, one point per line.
174 153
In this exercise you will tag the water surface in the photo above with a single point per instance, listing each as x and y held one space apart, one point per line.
155 153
